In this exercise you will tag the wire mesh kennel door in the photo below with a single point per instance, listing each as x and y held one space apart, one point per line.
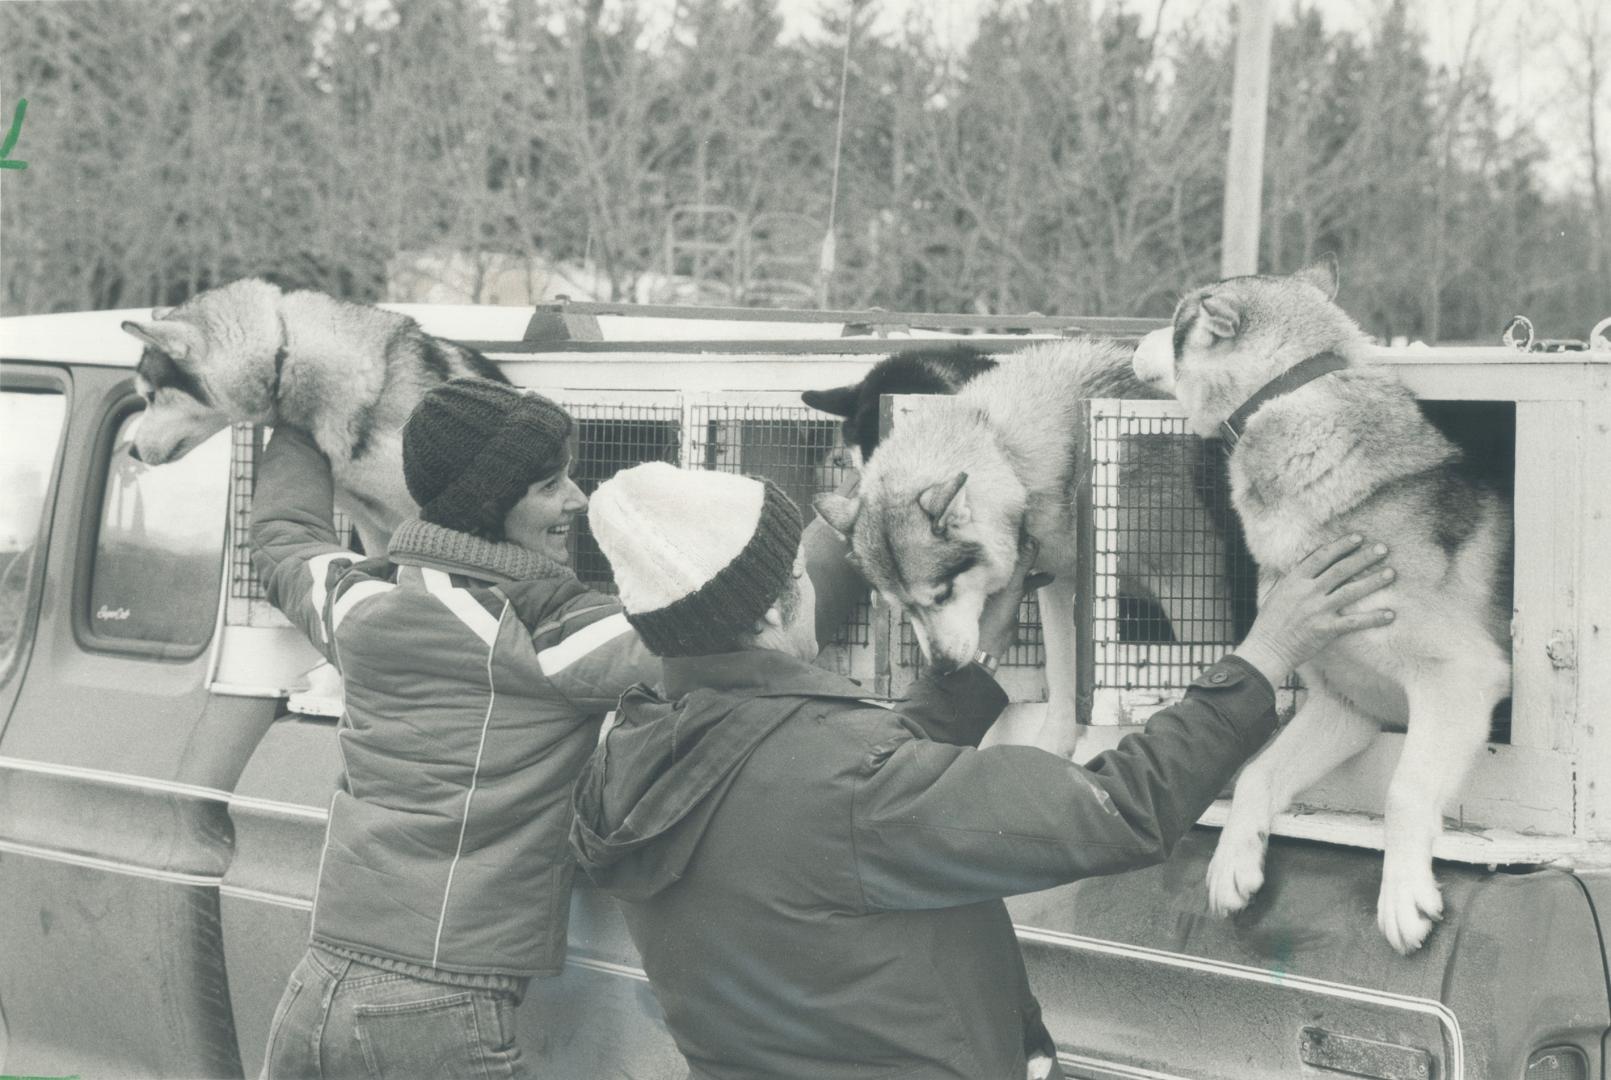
1167 585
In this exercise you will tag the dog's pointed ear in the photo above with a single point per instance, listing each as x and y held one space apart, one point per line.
179 340
1220 316
946 504
840 401
161 312
838 511
1324 274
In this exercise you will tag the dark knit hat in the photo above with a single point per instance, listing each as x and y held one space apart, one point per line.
472 447
699 557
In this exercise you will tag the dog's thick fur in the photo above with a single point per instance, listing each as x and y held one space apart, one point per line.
942 370
1351 452
348 373
936 523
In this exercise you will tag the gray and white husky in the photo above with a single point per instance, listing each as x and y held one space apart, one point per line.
1350 451
936 524
350 374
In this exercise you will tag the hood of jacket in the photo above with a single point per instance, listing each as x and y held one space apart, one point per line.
648 793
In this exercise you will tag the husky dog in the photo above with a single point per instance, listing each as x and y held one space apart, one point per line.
248 353
936 524
941 370
1349 450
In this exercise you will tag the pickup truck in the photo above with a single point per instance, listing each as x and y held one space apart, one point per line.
164 782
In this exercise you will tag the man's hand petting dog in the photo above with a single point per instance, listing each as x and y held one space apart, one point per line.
1305 611
998 622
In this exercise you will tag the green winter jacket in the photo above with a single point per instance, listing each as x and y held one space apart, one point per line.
815 882
476 675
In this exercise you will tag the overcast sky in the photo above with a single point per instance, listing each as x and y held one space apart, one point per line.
1533 46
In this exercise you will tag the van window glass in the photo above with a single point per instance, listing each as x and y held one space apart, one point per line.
160 547
32 423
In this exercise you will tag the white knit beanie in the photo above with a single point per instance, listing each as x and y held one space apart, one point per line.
699 557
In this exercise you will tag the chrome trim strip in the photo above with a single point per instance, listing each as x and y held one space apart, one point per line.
165 787
176 877
275 806
240 892
1114 1068
247 690
148 783
1345 991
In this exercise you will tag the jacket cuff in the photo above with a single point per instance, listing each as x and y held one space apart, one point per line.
957 707
974 690
1235 689
1228 671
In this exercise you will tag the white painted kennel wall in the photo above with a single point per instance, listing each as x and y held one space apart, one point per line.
1556 775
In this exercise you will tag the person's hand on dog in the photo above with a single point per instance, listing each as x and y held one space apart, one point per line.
998 623
1303 611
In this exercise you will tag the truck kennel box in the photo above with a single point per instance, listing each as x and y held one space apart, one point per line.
164 782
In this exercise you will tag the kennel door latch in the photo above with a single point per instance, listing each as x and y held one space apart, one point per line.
1353 1056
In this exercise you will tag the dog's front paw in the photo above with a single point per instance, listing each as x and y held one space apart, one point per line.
1408 906
1235 872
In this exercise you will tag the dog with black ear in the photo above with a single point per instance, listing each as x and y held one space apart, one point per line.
941 370
943 505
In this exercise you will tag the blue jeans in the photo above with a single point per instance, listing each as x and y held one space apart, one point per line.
339 1018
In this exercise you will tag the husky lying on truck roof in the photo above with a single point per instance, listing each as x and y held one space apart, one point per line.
1338 445
936 523
350 374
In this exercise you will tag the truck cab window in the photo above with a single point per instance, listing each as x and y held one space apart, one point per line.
159 547
32 421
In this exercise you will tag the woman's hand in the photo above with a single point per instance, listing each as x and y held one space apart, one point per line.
1303 611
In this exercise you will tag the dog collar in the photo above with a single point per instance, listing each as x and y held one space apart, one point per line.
1298 375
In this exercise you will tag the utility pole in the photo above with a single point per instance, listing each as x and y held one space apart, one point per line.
1244 166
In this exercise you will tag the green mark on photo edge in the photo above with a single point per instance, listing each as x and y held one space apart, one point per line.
12 136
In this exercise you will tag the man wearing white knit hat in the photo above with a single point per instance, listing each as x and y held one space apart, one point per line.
815 882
